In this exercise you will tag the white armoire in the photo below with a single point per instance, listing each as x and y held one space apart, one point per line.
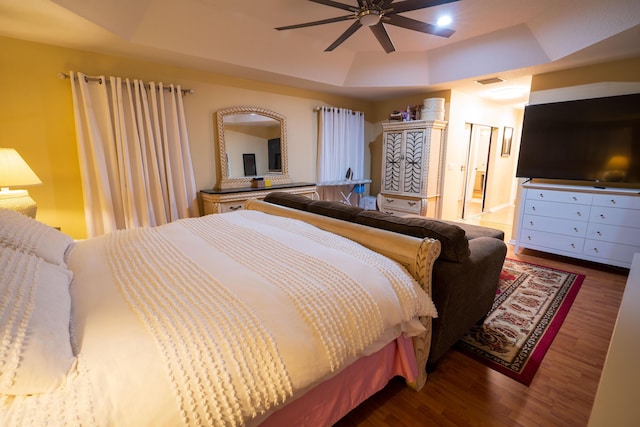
411 167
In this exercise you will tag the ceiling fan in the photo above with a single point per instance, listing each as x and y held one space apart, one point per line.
373 13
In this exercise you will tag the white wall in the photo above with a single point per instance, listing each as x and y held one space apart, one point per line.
464 108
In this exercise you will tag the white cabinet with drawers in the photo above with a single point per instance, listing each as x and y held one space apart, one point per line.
601 225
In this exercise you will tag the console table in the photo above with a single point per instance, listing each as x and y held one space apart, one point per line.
356 185
232 199
595 224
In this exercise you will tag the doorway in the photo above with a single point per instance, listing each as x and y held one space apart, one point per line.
475 171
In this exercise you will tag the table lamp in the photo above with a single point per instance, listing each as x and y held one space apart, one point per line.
14 171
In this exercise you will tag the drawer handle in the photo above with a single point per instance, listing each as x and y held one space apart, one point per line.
575 198
533 208
613 201
596 250
602 216
390 200
528 237
235 208
598 233
412 204
541 195
575 229
579 213
573 245
531 223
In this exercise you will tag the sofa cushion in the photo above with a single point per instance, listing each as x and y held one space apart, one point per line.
289 200
335 210
454 244
475 231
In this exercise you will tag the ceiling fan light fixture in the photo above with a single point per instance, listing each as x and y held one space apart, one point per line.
369 18
443 21
376 14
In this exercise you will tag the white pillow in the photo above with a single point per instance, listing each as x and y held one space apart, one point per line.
21 232
35 312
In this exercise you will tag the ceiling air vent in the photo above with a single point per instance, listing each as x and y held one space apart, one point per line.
490 80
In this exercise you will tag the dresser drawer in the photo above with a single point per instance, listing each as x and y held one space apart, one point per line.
215 207
542 239
566 227
395 212
231 206
559 196
614 233
615 216
557 210
407 206
610 251
616 201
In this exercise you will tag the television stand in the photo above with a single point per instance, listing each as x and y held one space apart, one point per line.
594 224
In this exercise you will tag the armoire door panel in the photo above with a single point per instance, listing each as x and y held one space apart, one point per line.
414 150
393 159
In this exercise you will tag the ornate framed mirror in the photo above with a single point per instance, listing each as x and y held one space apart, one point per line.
251 133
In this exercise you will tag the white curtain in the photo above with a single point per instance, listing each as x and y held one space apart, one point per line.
340 144
134 154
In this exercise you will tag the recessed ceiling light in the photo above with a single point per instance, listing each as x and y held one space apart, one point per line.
443 21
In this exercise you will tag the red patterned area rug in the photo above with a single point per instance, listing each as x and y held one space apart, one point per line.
531 303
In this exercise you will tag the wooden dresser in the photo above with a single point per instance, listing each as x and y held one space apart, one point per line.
232 199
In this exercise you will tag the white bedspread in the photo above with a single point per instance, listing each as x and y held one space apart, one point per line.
219 319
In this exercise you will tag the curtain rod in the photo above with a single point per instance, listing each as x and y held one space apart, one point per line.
332 108
64 76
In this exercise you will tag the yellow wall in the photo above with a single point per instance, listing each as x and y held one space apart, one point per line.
36 115
36 118
627 70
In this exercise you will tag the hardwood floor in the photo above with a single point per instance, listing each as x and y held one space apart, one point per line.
463 392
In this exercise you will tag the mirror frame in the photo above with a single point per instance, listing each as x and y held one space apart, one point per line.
224 181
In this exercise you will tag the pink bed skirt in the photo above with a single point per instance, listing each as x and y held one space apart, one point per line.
333 399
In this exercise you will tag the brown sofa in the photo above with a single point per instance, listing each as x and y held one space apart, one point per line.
465 275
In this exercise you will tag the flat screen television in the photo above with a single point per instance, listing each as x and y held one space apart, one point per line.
594 139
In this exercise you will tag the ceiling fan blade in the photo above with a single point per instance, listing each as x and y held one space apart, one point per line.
412 24
324 21
381 34
352 29
348 7
407 5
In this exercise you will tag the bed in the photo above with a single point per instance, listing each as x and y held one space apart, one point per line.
254 317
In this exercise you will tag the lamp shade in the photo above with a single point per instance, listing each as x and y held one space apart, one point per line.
14 171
